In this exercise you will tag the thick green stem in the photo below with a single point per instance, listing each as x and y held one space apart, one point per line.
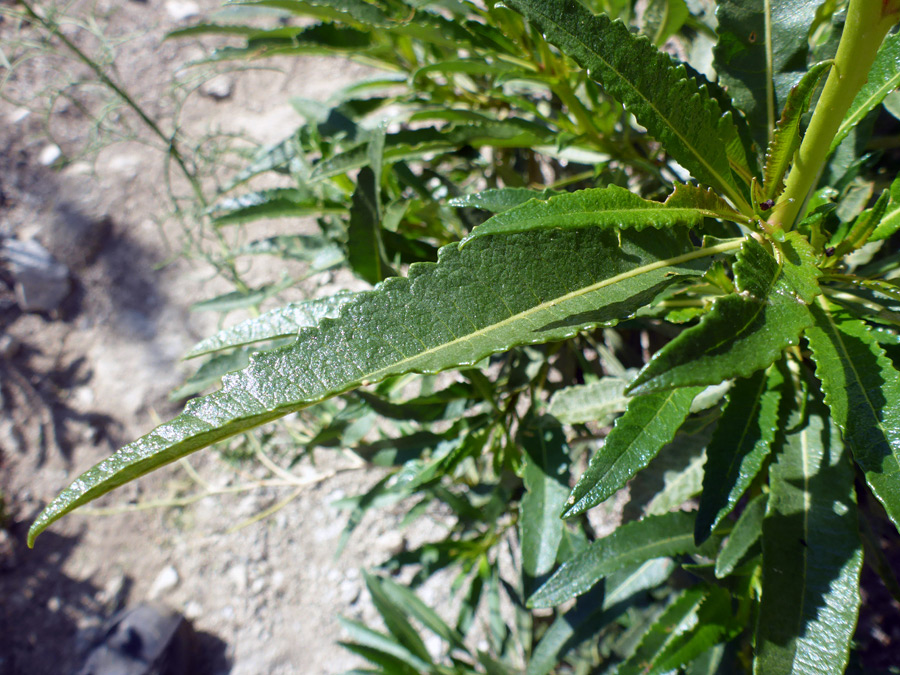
868 22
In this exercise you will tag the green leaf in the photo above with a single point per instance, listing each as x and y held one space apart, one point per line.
890 222
739 446
745 534
412 143
497 200
595 402
663 18
786 139
211 373
695 621
647 425
863 227
862 389
594 610
884 77
395 619
277 203
235 300
365 637
365 248
812 555
546 478
609 207
762 43
673 107
321 253
653 537
282 322
745 331
363 14
485 299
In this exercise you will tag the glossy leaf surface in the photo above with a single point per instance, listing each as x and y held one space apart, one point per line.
648 424
812 555
747 531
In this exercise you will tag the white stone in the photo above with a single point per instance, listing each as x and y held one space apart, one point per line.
49 154
165 581
179 10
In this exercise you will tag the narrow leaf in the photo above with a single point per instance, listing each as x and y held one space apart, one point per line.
498 200
282 322
862 389
487 298
739 445
673 107
395 619
366 637
745 534
652 537
647 425
365 248
745 331
884 77
609 207
546 478
786 139
812 555
594 402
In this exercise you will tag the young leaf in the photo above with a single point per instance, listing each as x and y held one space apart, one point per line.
862 389
739 445
498 200
395 619
546 478
746 331
671 105
610 207
760 43
863 227
277 203
884 77
382 645
594 402
365 248
282 322
812 555
647 425
487 298
890 222
653 537
786 139
745 534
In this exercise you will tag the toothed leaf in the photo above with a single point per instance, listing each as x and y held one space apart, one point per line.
745 331
746 533
673 107
594 402
486 298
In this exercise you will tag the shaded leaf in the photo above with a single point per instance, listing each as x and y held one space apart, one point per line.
546 478
653 537
739 446
497 200
745 534
595 402
365 248
812 555
470 304
276 203
862 389
647 425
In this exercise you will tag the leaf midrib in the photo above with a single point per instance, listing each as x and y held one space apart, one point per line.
725 185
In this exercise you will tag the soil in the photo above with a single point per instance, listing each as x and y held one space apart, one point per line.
87 377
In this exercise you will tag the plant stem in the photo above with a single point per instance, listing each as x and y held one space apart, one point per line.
868 22
172 147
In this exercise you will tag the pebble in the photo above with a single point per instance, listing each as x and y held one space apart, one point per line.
49 154
41 283
54 603
218 88
238 576
179 10
193 610
165 581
